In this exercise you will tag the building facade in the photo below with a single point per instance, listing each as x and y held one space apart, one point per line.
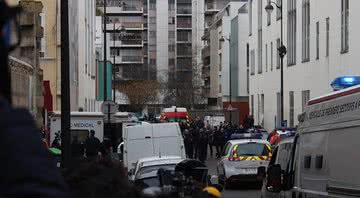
82 55
158 46
321 46
221 38
26 74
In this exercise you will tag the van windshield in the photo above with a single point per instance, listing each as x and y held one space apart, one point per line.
252 149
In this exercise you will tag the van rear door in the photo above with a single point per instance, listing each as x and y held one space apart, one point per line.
168 140
138 144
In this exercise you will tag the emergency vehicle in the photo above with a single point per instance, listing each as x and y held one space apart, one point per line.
81 125
174 114
324 159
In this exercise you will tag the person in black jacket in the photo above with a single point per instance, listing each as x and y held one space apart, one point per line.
92 145
27 169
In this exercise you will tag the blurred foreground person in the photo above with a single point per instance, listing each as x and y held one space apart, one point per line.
101 178
26 169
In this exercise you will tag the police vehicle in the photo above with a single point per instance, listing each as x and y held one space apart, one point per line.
241 159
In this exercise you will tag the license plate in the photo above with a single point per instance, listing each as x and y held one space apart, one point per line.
250 171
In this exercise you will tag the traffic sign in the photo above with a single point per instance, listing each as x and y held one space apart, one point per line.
109 107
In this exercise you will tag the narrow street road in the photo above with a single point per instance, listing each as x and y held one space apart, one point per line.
239 192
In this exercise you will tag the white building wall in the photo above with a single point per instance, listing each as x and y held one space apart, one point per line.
86 54
243 30
315 75
227 14
162 39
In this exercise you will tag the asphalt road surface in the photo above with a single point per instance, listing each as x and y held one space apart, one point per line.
242 191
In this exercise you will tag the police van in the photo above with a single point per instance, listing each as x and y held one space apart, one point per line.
325 159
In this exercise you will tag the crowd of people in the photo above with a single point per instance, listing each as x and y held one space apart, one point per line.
200 137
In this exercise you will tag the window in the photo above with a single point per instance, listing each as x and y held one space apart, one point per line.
247 55
305 98
327 37
260 11
258 109
171 61
171 4
317 40
252 104
278 11
306 31
291 105
260 51
307 161
250 16
278 102
248 81
171 48
268 14
271 56
262 109
220 62
43 39
266 57
344 26
171 34
291 55
152 61
252 68
277 53
220 88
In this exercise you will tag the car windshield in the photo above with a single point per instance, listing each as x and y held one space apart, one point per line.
251 149
147 182
154 169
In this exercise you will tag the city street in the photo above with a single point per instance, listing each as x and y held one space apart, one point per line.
239 192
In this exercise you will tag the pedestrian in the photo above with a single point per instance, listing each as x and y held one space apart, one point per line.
203 143
210 134
188 141
196 137
77 149
219 138
92 145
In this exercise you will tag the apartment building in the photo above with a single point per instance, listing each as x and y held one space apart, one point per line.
219 42
157 46
26 74
321 46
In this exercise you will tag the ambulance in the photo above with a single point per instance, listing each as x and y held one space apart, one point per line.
174 114
81 125
325 157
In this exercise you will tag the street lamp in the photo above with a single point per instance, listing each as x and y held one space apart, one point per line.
222 39
282 52
121 29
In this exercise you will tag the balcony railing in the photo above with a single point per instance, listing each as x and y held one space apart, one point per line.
184 10
132 58
184 24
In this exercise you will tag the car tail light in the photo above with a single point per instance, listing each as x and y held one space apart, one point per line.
234 159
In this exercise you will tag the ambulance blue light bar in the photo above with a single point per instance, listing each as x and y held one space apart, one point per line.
344 82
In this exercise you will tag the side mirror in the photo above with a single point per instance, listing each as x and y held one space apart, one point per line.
261 172
273 183
131 172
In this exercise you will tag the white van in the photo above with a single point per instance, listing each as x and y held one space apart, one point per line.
148 140
81 125
325 157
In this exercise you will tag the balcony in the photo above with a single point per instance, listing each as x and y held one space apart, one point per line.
127 43
205 72
127 25
205 52
212 8
128 60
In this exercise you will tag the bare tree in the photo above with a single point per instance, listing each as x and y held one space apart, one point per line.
140 92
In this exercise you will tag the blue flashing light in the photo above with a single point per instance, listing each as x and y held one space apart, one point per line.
344 82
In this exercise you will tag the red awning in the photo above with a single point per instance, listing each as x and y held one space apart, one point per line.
48 99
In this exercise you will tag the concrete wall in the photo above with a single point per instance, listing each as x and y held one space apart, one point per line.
315 75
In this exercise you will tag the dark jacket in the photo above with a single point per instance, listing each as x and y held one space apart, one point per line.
27 169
